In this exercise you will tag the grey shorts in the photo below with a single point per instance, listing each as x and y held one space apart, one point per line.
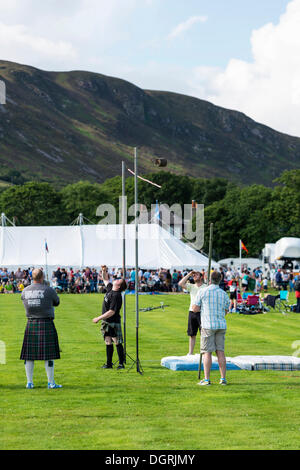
212 340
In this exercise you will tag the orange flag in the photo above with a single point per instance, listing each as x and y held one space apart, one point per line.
243 247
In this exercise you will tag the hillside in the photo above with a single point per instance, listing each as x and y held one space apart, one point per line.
64 127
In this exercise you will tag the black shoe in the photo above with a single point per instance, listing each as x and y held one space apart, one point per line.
120 366
107 366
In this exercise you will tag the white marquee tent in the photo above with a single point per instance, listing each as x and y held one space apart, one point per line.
251 263
287 247
94 245
269 252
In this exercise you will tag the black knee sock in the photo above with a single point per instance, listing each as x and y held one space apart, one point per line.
109 354
120 352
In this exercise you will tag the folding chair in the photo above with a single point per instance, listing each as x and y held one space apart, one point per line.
252 300
282 303
252 305
284 295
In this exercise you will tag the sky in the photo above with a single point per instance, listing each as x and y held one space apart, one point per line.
239 54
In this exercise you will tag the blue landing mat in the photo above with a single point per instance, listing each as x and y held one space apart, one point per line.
186 363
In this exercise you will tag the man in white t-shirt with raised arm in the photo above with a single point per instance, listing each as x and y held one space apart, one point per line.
194 319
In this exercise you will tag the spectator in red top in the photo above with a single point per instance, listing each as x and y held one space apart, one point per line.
297 293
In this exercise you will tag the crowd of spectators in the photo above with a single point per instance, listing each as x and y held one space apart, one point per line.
283 279
89 280
12 282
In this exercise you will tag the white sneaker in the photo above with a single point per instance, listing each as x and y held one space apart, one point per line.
204 382
54 385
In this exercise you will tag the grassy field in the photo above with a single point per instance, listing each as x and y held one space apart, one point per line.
159 410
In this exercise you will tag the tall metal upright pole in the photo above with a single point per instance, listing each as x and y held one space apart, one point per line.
124 218
124 254
138 369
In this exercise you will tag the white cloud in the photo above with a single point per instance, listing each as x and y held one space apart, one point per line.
185 26
18 43
267 89
57 35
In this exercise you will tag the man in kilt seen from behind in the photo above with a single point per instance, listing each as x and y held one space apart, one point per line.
40 340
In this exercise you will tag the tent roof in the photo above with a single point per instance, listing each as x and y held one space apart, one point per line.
95 245
250 262
287 247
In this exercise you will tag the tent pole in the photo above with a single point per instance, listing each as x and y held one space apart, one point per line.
210 251
80 221
46 261
5 219
3 235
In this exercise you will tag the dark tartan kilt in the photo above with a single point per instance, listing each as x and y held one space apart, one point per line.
114 330
40 341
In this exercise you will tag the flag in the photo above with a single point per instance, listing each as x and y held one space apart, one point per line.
157 213
46 247
243 247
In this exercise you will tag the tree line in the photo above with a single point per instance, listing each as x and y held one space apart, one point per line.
256 214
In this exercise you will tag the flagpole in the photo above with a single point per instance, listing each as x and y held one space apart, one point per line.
157 215
241 257
46 260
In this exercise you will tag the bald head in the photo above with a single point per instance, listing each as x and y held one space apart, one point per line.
38 276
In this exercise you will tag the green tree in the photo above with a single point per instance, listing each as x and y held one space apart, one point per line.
255 214
174 189
241 215
82 198
32 204
285 205
13 177
206 191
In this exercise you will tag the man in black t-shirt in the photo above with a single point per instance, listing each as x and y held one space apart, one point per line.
58 275
111 319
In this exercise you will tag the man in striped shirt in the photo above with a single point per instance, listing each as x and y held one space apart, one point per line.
214 304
